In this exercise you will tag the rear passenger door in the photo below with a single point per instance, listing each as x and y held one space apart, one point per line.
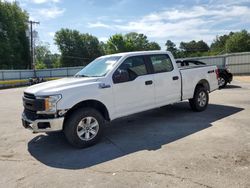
136 93
167 80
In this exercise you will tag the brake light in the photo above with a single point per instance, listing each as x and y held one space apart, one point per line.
217 73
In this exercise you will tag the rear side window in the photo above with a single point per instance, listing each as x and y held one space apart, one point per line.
135 66
161 63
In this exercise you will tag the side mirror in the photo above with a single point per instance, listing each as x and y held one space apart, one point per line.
120 76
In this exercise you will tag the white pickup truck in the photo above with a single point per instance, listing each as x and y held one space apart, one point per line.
111 87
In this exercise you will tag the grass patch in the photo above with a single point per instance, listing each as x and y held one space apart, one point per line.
17 82
13 82
49 79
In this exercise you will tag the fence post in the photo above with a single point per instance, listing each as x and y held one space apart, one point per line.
224 61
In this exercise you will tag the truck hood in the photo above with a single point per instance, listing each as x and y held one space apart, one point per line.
58 86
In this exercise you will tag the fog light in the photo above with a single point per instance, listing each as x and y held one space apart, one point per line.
43 125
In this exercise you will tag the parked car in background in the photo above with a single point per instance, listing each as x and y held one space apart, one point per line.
225 76
36 80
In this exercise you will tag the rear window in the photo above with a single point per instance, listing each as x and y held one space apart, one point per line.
161 63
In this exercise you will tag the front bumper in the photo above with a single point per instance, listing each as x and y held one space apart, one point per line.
43 125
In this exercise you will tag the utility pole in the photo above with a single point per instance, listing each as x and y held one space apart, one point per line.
32 48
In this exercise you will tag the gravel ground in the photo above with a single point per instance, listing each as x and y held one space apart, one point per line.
166 147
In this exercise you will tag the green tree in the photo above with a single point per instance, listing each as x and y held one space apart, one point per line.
171 47
218 45
44 58
42 53
40 65
139 42
153 46
116 44
76 48
14 44
136 41
103 47
55 60
130 42
194 48
238 42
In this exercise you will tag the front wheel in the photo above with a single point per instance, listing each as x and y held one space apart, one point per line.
200 100
84 127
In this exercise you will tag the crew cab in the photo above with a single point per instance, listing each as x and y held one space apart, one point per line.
111 87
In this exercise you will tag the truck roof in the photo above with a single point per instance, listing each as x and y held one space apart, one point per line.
138 53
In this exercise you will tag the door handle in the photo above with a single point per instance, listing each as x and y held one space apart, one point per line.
149 82
175 77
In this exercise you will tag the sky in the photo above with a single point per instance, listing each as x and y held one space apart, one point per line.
160 20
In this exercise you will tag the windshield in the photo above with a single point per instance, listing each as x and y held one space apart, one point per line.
99 67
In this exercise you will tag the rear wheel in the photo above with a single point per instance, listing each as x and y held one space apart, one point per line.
200 100
84 127
222 81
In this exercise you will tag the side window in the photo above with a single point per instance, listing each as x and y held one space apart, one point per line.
161 63
130 69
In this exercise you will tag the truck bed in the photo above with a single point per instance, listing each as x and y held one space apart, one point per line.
191 75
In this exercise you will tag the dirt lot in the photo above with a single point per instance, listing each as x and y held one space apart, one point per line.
242 78
167 147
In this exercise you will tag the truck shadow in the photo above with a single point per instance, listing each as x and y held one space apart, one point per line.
232 87
145 131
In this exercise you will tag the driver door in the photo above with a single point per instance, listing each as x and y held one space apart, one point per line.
135 91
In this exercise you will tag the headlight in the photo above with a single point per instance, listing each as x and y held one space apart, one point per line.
50 103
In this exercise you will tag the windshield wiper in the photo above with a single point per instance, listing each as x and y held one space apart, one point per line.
79 75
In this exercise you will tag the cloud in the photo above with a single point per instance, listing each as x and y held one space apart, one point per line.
118 20
201 22
228 2
103 39
10 1
51 34
44 1
52 12
98 24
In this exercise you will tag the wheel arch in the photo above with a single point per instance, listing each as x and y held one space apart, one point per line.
203 83
99 106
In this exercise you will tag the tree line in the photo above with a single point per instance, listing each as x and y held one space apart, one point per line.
81 48
228 43
78 49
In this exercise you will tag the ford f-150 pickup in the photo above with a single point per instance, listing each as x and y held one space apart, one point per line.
111 87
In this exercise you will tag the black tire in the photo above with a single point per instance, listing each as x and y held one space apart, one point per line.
223 79
71 127
195 103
